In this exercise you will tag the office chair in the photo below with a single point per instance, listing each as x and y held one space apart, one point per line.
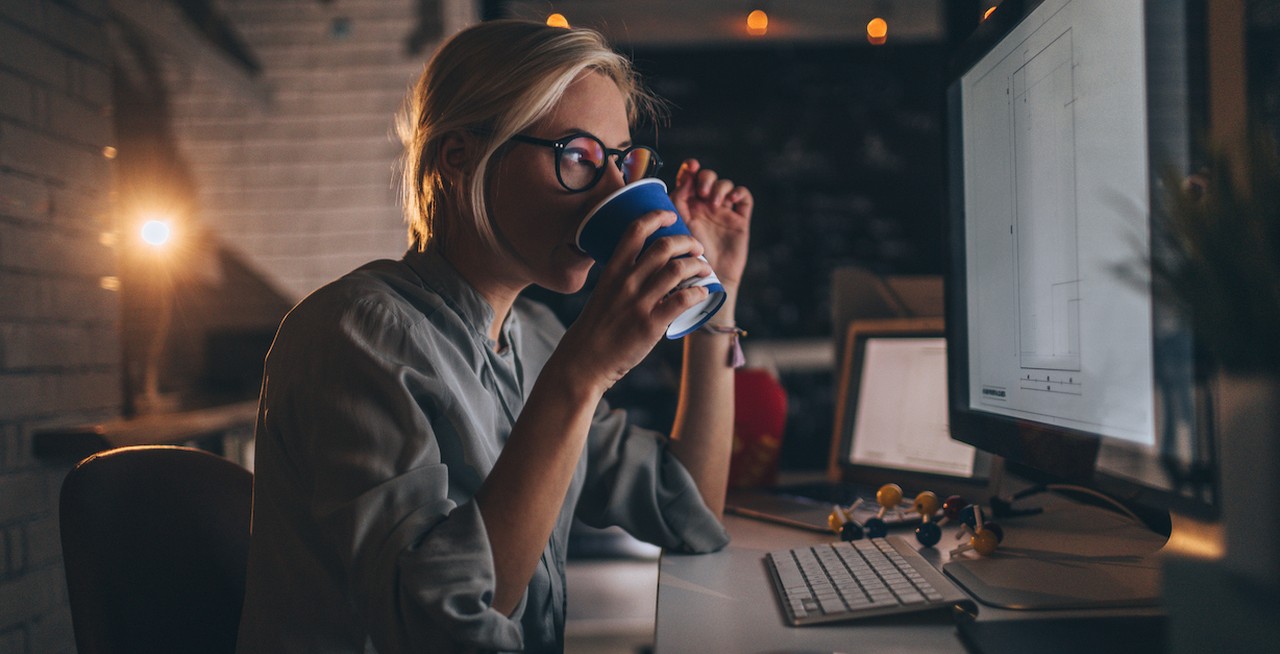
155 541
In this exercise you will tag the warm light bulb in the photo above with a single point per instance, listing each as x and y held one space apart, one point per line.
156 232
757 23
877 31
558 20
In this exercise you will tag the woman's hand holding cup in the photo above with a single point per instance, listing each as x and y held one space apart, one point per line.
636 298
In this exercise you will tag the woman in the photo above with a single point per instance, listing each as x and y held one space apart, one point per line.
425 435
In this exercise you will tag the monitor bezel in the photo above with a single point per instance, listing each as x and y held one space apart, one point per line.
1042 452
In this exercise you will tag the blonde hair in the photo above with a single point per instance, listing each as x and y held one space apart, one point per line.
493 80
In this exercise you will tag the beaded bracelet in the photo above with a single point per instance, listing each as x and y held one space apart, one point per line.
736 358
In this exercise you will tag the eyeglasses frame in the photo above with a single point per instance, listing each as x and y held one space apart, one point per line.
559 145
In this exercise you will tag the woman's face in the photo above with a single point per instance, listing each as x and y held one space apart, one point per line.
534 217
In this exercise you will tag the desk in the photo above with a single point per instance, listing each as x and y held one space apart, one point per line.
74 443
724 601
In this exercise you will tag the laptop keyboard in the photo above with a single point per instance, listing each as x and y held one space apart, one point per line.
849 580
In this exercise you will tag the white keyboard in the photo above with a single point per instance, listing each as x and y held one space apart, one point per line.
864 578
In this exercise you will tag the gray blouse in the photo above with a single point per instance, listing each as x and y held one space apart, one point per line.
383 408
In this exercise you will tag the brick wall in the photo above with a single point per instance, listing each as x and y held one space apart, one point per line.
293 169
59 334
296 173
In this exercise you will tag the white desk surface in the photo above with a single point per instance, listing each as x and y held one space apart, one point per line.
724 601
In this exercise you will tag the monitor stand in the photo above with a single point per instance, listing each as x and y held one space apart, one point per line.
1070 556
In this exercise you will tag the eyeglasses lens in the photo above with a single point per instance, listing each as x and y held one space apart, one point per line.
579 162
638 164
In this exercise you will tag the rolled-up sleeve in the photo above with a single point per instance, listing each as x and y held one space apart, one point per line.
363 433
635 482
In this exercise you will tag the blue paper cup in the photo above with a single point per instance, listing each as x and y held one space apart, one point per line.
600 231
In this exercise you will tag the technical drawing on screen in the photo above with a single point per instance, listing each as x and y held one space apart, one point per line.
1056 192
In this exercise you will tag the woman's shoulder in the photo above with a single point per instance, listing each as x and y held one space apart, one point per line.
378 295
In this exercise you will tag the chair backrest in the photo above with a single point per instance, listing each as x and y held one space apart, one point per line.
155 542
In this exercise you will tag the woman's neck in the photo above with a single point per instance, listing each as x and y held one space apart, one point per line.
477 265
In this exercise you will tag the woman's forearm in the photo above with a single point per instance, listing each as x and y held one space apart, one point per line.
521 498
702 437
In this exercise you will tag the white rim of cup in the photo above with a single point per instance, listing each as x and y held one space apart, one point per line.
577 237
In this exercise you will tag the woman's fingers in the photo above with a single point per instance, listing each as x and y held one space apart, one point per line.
631 243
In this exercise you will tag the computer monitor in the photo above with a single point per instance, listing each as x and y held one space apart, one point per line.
1063 118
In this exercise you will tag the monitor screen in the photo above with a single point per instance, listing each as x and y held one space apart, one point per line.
901 416
1064 116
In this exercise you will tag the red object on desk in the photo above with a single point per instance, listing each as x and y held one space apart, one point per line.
760 415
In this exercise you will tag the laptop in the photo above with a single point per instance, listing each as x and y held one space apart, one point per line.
890 427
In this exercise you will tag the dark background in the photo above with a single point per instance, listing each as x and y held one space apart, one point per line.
842 148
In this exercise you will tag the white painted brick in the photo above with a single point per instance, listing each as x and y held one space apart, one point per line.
22 197
9 451
290 159
25 297
89 81
256 11
86 208
36 395
43 345
42 543
6 556
370 148
284 59
27 13
53 632
93 8
304 186
337 103
41 155
375 173
84 34
29 248
201 129
30 595
83 300
370 29
31 57
25 497
35 298
346 79
351 195
77 121
16 102
99 345
94 390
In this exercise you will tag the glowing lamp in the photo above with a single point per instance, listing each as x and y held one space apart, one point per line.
558 20
877 31
156 232
987 14
757 23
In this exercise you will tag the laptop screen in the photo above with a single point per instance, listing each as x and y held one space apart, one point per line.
900 417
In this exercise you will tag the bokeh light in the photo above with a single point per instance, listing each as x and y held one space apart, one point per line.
877 31
558 20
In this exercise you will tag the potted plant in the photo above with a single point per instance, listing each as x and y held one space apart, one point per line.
1217 245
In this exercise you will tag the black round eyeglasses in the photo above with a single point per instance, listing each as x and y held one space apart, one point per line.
581 158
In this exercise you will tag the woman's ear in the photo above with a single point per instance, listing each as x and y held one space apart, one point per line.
456 151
